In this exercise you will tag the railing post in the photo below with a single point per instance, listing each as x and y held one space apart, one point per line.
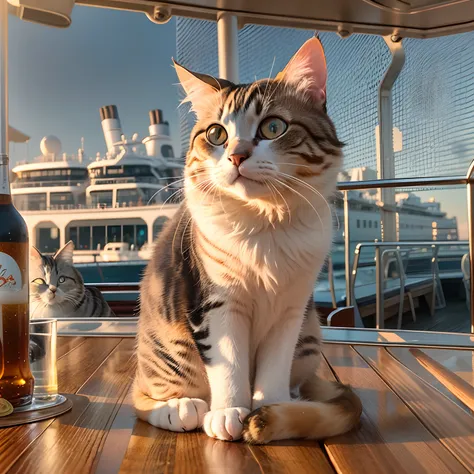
379 309
228 46
347 249
470 215
385 161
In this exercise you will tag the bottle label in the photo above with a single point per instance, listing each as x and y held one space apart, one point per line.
10 274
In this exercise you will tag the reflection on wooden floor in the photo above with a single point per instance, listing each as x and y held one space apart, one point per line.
409 423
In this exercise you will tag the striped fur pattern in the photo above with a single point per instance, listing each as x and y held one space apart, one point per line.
227 339
57 288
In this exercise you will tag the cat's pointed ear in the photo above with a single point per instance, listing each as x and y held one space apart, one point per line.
307 70
65 254
201 90
35 255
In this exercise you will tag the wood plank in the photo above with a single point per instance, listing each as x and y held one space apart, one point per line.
460 362
196 452
78 365
450 424
74 369
298 456
118 438
150 450
390 438
445 361
15 441
72 443
67 344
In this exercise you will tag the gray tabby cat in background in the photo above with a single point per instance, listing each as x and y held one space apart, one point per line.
57 289
228 336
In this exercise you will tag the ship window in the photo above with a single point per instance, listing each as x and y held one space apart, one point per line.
151 196
129 234
115 170
114 233
61 199
167 151
84 238
98 237
73 236
358 223
370 224
128 197
101 198
364 222
47 239
375 224
30 202
142 235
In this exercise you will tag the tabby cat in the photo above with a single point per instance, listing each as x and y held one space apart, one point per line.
228 337
57 288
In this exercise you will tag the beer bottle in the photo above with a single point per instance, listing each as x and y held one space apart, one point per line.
16 380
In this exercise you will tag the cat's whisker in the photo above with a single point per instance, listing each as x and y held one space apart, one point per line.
284 200
277 206
196 172
315 191
303 197
269 79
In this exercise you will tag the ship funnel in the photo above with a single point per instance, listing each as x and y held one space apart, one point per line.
111 128
159 142
157 125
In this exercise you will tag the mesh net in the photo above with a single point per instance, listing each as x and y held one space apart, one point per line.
433 99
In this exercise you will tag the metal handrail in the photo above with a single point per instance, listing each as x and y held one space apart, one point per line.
402 182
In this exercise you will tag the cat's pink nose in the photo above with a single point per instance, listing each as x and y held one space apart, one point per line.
238 158
53 289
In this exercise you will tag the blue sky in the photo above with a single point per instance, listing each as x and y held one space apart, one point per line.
60 78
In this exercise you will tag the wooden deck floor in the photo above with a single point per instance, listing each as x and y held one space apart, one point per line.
411 423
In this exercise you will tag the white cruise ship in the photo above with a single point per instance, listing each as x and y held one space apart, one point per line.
416 220
116 198
113 207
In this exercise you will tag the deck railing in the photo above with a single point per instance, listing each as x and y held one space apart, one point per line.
437 181
379 274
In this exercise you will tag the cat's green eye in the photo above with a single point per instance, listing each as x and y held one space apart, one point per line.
272 127
61 280
216 135
39 281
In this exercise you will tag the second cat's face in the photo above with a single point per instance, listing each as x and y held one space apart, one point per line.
51 287
54 280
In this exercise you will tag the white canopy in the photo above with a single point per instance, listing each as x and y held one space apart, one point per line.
406 18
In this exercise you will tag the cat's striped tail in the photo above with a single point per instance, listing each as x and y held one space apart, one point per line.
333 409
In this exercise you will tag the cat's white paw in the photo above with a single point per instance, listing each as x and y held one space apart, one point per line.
225 423
179 414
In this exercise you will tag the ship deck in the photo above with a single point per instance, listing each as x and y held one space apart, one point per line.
413 421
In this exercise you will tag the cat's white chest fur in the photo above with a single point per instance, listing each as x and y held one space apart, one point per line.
269 258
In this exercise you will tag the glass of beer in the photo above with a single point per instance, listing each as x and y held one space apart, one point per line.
43 358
